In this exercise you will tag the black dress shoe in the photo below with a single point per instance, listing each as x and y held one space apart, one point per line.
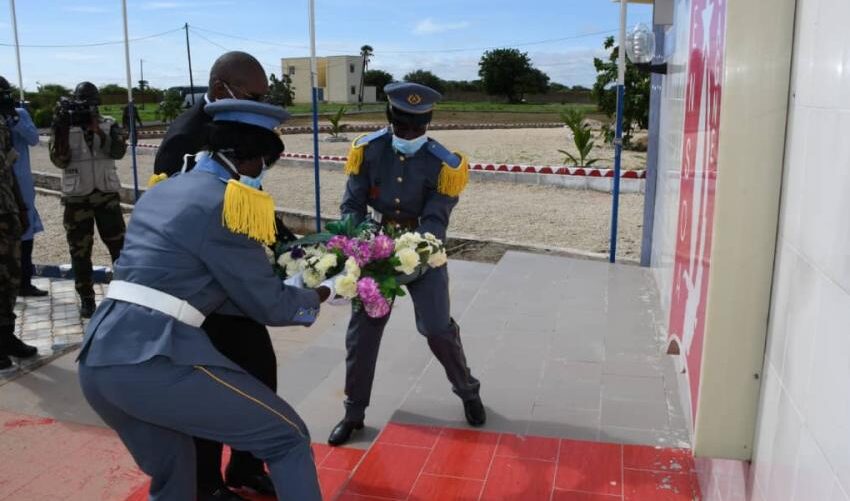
18 349
5 363
87 307
475 413
31 290
342 432
220 494
260 483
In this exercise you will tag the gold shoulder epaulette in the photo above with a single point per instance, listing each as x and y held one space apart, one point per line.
453 180
249 212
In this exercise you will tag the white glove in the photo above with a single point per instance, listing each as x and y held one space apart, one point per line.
296 280
333 299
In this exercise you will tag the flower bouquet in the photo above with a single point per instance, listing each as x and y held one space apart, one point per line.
371 264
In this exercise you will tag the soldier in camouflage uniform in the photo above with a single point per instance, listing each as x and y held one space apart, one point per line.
13 222
90 186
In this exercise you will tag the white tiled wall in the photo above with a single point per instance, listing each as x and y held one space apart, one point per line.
803 438
670 150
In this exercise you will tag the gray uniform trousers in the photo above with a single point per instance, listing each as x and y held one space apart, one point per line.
430 295
157 407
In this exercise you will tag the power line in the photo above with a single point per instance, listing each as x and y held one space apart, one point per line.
92 44
421 51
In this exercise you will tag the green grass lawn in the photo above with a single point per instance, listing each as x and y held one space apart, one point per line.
325 108
148 113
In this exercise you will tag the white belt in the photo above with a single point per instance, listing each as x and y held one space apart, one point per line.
155 300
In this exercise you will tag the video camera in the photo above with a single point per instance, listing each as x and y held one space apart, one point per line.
7 104
78 113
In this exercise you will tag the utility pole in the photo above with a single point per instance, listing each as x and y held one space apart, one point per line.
142 80
189 54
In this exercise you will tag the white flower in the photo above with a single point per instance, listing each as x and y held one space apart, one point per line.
294 267
346 286
351 267
325 263
409 259
312 278
408 240
438 259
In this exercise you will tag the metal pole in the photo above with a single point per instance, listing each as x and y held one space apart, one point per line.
17 50
314 83
189 54
130 106
142 79
618 137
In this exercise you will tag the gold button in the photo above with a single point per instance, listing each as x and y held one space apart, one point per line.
397 201
401 158
398 212
399 179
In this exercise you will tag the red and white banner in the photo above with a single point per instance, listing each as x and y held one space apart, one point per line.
697 185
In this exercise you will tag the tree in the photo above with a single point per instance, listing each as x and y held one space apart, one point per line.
509 73
281 92
110 89
378 79
170 107
426 78
636 103
533 82
365 55
47 95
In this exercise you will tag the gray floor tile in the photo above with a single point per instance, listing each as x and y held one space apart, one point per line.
634 414
649 389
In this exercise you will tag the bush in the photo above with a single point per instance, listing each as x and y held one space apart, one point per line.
43 117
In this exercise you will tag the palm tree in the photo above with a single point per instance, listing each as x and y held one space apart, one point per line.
365 53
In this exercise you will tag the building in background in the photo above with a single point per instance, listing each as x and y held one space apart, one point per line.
338 79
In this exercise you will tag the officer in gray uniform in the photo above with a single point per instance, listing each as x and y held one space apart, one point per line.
194 245
399 176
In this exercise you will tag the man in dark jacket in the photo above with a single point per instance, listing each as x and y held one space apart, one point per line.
234 75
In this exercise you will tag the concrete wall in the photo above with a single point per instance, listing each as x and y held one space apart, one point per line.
803 438
298 70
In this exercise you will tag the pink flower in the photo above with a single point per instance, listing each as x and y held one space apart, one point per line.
382 247
375 304
337 242
360 250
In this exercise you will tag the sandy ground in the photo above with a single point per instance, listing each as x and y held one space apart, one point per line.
521 146
537 215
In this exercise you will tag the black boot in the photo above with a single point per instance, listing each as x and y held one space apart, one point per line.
87 307
475 413
259 481
218 494
11 346
5 363
342 432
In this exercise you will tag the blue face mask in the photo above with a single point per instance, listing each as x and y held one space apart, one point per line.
408 147
253 182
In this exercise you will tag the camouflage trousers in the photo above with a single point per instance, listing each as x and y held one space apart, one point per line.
81 215
10 266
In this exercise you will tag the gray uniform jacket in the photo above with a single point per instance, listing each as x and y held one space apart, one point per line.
176 244
400 187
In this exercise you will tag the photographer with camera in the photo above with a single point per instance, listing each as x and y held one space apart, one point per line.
85 145
24 135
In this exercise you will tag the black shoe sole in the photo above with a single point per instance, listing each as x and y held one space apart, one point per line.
354 430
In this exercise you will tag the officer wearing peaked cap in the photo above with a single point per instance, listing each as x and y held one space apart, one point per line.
400 176
193 246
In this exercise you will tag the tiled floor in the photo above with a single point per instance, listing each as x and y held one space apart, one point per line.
410 462
45 460
52 323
